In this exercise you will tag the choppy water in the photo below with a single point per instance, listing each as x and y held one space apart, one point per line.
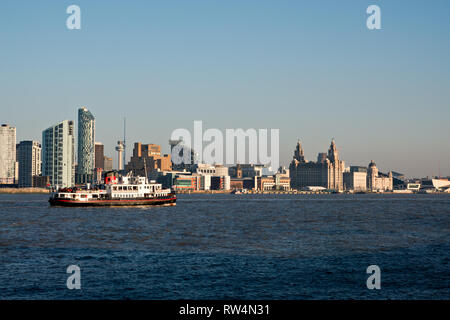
229 247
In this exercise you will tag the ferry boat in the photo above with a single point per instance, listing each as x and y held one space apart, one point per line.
122 191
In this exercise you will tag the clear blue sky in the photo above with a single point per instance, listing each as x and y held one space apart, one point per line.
310 68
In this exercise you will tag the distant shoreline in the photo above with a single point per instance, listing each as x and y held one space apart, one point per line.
24 191
47 191
266 192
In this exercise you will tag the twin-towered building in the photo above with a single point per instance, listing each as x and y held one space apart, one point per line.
329 173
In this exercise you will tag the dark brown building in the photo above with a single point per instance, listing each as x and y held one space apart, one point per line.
41 181
99 155
150 154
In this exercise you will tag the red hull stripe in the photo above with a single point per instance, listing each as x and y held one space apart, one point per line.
113 200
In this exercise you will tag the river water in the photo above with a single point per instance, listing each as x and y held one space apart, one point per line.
229 247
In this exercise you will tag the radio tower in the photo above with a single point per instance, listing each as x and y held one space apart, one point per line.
124 140
121 149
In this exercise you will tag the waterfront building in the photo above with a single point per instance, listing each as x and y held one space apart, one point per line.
327 174
99 162
435 185
207 177
194 182
86 150
189 156
30 163
107 163
265 183
166 178
242 183
58 154
278 181
150 154
414 187
217 177
282 181
398 180
211 170
246 170
355 179
377 181
7 154
219 183
41 181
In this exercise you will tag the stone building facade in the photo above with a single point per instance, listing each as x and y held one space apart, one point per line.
378 182
327 172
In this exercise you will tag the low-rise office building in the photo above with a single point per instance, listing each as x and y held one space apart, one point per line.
355 179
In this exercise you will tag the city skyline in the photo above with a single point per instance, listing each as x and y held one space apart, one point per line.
299 151
313 71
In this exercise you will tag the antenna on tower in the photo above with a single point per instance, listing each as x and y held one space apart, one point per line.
124 139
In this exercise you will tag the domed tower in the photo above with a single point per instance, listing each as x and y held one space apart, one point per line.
333 153
335 168
372 169
372 174
299 154
297 161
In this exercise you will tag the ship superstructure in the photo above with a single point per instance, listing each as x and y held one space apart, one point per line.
122 191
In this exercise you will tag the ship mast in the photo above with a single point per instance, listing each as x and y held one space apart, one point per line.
145 170
124 140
